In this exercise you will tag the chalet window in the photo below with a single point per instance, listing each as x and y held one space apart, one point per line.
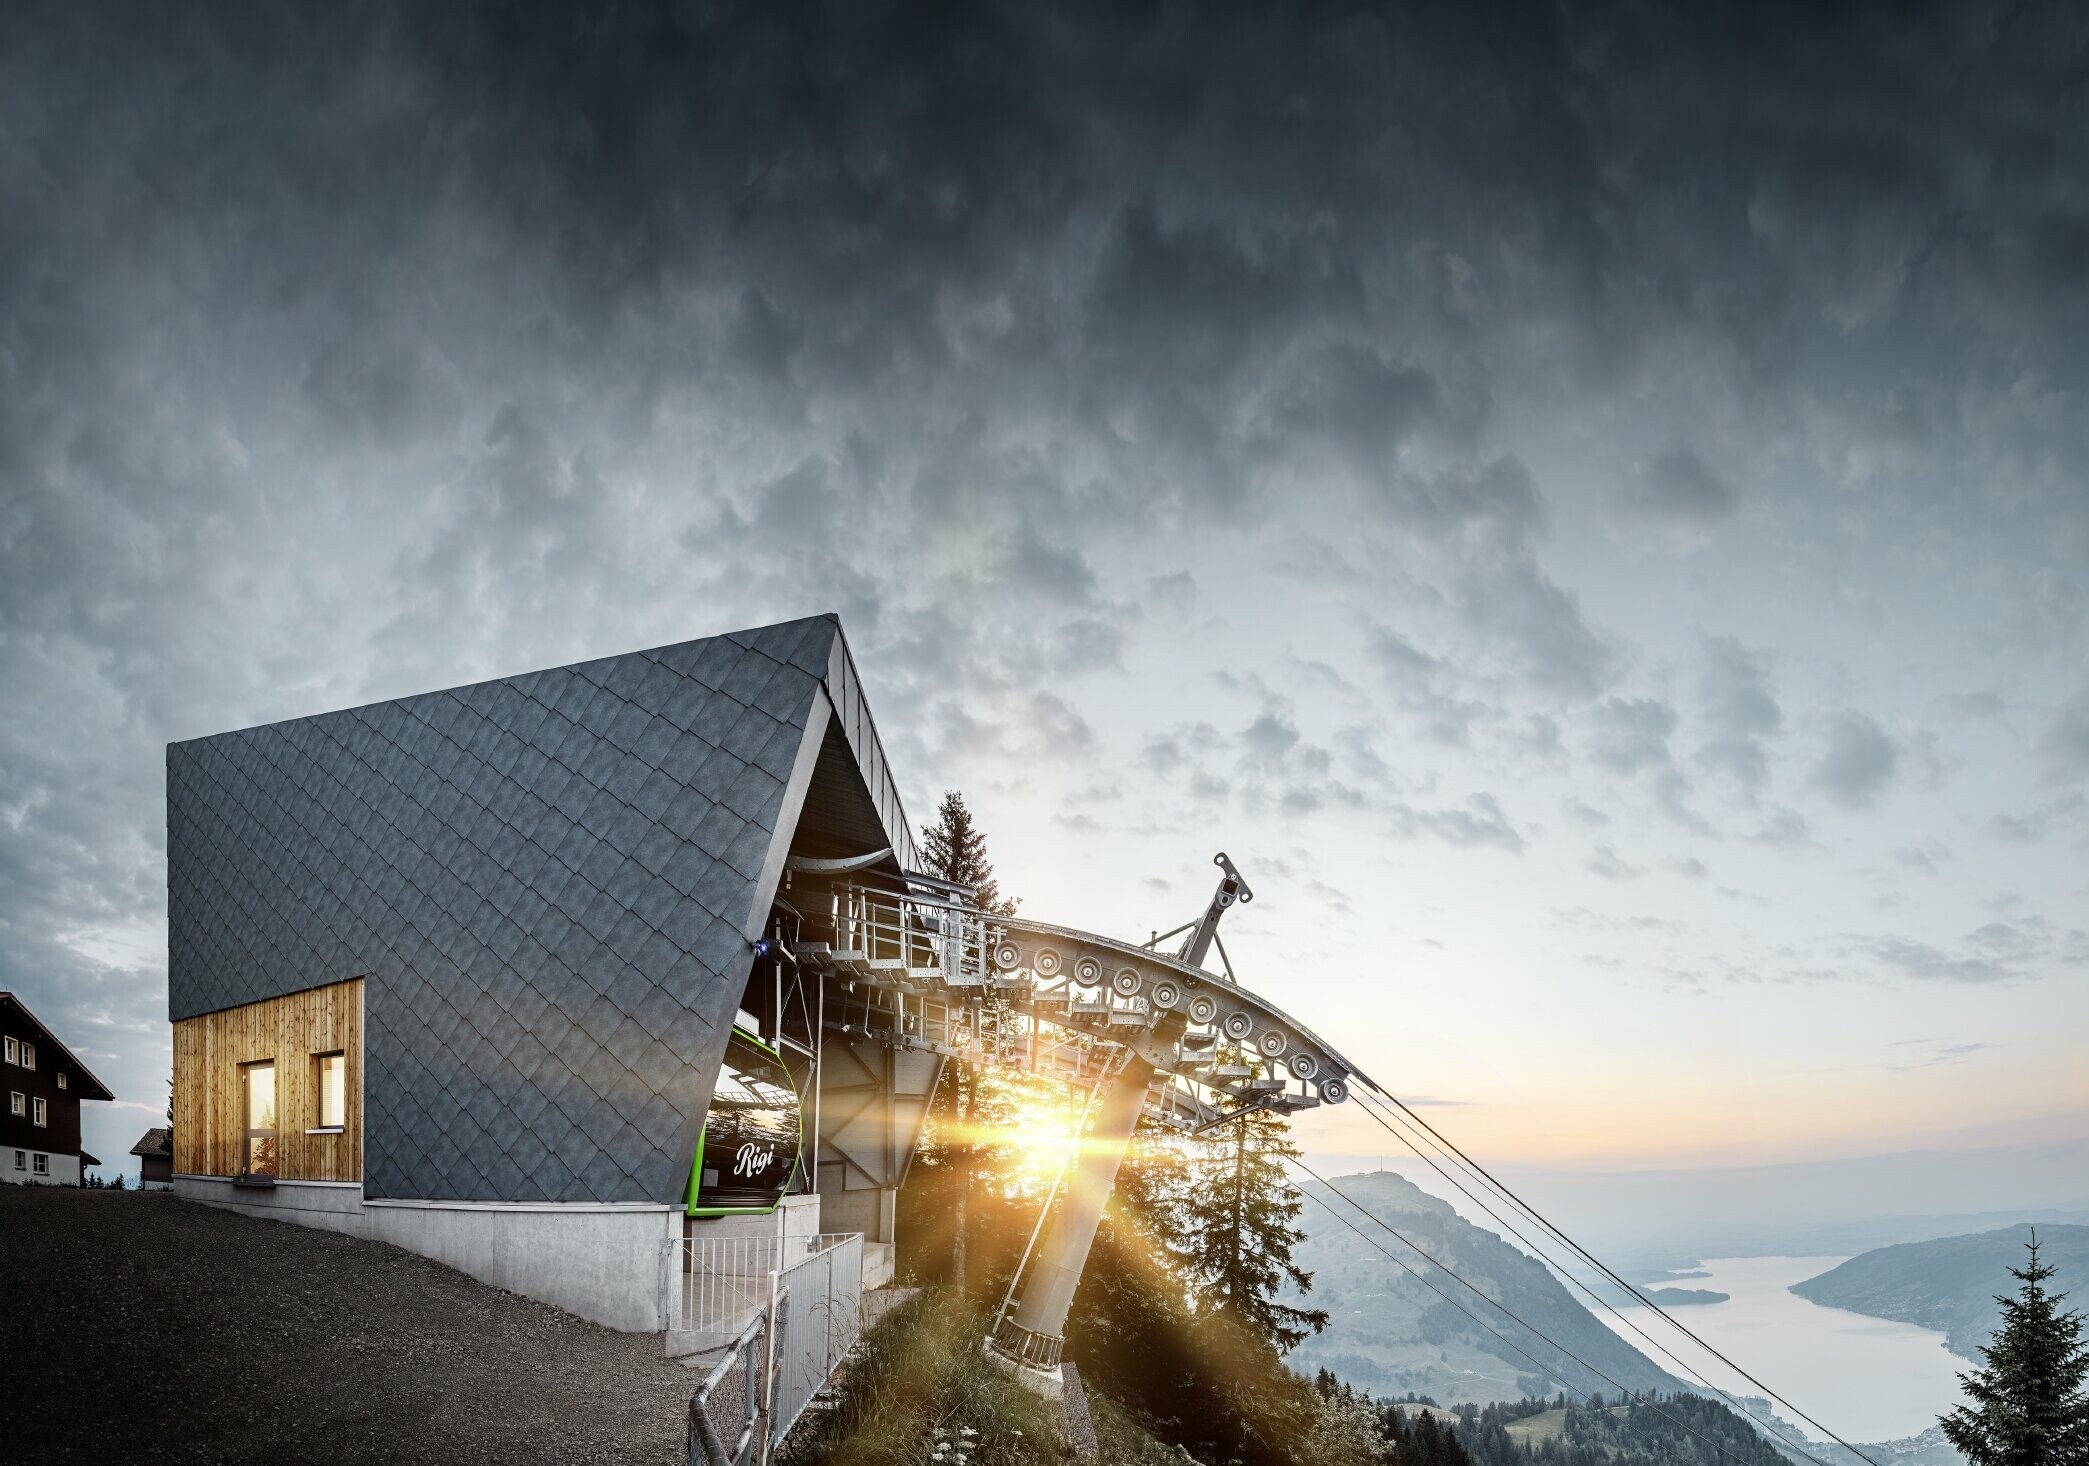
43 1163
18 1103
14 1053
28 1054
330 1087
61 1079
257 1089
43 1111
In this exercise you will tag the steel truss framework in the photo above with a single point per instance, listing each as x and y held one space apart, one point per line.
915 970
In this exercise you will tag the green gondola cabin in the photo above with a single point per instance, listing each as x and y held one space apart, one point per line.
748 1150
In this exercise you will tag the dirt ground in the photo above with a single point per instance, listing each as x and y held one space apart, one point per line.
134 1326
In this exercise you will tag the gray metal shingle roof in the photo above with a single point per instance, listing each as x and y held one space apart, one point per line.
549 882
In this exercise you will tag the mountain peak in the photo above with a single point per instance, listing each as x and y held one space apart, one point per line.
1384 1191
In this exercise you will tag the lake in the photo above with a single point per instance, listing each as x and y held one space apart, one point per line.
1868 1379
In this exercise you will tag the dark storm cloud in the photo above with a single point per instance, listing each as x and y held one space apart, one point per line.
344 351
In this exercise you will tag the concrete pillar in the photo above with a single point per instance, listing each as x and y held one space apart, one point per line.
1028 1341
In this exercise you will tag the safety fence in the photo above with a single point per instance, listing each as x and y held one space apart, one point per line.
785 1353
725 1279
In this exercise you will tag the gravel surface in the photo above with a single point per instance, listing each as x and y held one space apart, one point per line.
134 1326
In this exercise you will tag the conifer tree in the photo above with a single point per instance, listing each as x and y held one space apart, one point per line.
1239 1215
2028 1407
954 849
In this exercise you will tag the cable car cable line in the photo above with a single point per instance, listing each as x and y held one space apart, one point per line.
1531 1359
1557 1267
1629 1393
1598 1263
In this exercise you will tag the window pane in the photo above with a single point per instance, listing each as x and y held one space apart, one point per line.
261 1155
261 1097
333 1089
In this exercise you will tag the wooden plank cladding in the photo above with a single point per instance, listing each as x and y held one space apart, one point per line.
211 1055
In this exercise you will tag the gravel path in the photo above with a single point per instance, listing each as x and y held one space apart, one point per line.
140 1327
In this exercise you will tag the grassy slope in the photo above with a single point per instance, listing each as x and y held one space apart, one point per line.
920 1376
1546 1425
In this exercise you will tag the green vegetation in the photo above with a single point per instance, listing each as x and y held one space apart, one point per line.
1679 1429
1125 1440
1236 1231
2028 1407
920 1376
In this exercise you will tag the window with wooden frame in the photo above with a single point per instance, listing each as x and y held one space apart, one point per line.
257 1102
61 1079
28 1054
21 1160
43 1163
330 1093
17 1103
42 1108
14 1052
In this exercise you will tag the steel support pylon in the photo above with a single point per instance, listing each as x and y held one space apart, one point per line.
1027 1342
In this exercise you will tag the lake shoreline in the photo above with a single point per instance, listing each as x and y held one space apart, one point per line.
1869 1379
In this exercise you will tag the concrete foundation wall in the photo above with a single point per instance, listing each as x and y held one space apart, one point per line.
336 1206
606 1263
869 1211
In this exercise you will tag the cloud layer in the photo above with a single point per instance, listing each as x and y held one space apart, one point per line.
1371 434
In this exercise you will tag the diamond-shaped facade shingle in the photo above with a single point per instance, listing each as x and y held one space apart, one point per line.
550 884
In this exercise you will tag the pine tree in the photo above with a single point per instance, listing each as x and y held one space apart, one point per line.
1239 1216
954 849
2028 1406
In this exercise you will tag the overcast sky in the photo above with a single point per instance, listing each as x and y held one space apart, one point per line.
1590 510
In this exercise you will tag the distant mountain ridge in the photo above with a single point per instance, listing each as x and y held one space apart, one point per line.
1950 1284
1389 1333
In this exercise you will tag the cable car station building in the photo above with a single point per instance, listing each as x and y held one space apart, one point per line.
543 977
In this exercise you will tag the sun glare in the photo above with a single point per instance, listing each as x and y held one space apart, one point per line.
1042 1130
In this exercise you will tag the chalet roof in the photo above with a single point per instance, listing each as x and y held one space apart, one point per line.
551 883
94 1089
158 1141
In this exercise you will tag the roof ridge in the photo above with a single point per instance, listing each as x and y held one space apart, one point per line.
8 996
453 689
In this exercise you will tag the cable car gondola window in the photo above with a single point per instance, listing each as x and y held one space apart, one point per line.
749 1147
